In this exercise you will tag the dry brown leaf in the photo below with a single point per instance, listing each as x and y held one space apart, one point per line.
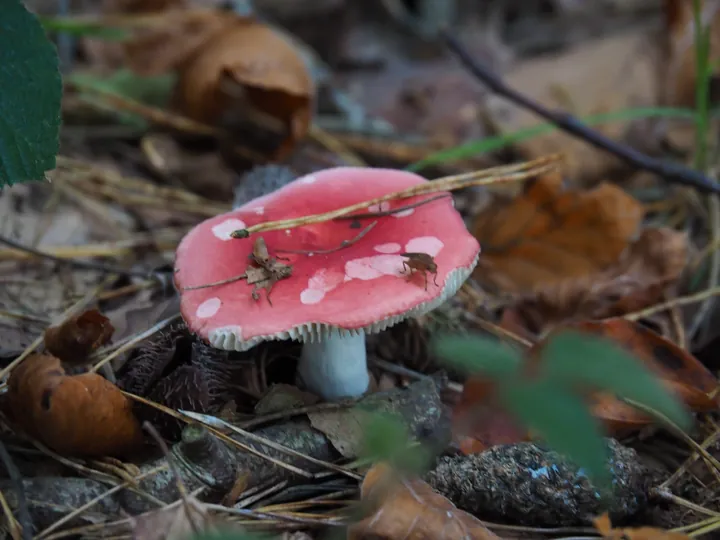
179 521
604 527
82 415
249 73
479 422
411 510
79 336
232 71
549 234
646 273
597 76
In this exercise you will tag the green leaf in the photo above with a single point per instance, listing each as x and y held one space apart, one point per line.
563 420
572 358
475 354
386 438
81 28
152 90
30 97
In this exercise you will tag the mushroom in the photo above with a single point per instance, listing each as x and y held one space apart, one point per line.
349 277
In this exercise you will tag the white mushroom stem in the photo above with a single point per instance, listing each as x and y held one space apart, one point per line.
335 367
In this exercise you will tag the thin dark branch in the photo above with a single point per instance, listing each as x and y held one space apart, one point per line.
85 265
23 509
394 210
672 172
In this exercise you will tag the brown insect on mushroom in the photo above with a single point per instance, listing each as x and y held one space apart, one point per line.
420 262
269 269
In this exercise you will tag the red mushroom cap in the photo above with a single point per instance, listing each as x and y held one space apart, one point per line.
359 287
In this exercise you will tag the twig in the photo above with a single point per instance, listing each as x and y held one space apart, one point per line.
495 175
170 459
199 418
681 301
296 411
397 210
85 265
670 171
23 510
343 244
222 436
92 502
216 283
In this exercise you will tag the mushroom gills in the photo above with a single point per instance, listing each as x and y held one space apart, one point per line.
335 367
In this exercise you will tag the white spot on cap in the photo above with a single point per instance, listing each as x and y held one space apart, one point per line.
312 296
325 280
223 230
367 268
390 247
404 213
382 207
208 308
425 244
308 179
288 232
260 210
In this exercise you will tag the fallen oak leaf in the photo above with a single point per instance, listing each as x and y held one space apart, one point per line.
78 337
409 509
549 234
647 272
82 415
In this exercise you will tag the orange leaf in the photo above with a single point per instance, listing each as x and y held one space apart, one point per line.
411 510
549 234
82 415
604 527
479 422
78 337
681 372
542 247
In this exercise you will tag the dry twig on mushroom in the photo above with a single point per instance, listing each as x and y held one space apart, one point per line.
334 296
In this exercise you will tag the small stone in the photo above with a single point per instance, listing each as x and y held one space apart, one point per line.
526 484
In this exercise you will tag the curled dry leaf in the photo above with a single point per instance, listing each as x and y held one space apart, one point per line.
233 72
479 422
249 73
79 336
409 509
646 273
604 527
81 415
